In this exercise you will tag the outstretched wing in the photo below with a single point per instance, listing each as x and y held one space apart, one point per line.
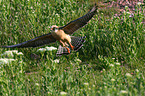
38 41
80 22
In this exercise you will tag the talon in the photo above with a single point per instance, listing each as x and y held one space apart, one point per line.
72 47
68 50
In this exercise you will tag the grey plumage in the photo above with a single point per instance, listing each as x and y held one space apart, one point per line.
77 42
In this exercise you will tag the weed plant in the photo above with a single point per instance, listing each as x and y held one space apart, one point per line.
111 62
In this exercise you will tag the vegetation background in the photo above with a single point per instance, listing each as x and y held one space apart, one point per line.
111 62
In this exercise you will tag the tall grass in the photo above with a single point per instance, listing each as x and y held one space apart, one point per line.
110 62
120 37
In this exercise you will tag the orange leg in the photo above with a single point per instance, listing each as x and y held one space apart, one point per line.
68 50
63 44
72 47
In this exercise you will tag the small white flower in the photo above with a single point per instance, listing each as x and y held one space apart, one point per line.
37 84
139 3
8 54
50 48
6 60
113 58
86 84
41 50
128 13
20 53
104 70
126 7
56 60
20 62
3 61
46 49
137 70
48 93
128 75
11 60
123 91
111 65
112 80
14 51
78 60
63 93
118 64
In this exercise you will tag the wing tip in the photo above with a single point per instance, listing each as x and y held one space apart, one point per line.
94 9
4 46
11 46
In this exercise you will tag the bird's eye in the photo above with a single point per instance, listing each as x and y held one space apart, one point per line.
53 28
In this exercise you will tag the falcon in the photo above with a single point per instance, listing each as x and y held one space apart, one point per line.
62 35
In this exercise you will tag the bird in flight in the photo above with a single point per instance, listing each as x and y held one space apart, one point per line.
61 34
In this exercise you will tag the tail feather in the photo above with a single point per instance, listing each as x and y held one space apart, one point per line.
77 42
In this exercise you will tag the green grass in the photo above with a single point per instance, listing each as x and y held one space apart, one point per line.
111 62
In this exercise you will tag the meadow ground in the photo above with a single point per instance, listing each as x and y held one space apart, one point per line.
111 62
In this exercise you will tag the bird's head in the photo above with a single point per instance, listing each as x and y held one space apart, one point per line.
54 27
